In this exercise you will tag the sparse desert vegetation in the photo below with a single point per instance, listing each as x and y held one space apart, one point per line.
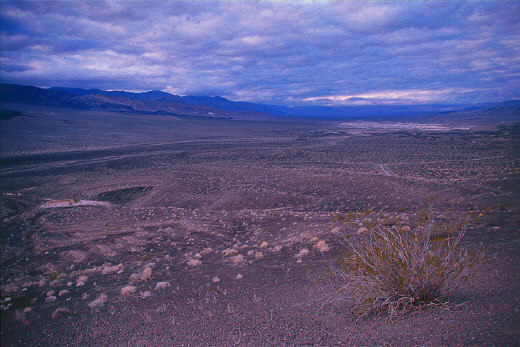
396 269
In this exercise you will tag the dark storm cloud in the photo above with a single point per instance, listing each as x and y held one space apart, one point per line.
284 52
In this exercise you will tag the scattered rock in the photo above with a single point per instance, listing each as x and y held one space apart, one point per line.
51 298
215 279
63 292
264 244
239 276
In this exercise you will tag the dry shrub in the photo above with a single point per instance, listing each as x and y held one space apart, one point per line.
396 270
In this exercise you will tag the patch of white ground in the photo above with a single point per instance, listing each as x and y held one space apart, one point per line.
362 127
73 203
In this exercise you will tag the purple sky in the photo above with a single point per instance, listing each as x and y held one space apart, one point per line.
291 52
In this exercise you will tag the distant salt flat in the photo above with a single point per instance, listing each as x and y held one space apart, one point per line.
397 126
73 203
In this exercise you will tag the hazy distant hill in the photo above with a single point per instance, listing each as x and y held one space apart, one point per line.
155 102
506 112
159 102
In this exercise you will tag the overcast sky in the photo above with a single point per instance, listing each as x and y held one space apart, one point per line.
291 52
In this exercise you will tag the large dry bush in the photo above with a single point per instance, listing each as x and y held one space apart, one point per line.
396 269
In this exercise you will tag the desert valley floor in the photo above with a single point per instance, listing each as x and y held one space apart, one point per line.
220 224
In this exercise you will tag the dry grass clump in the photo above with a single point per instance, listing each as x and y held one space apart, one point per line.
302 253
238 259
162 285
61 312
145 294
396 270
127 290
147 274
229 252
99 302
193 262
107 269
322 246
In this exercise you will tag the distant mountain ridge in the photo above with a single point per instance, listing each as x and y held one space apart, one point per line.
154 102
159 102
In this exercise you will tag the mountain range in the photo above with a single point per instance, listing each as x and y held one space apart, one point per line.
159 102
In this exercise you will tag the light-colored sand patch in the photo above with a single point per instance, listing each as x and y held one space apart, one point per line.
396 126
73 203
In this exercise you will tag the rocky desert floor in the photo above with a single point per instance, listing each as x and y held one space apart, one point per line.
216 239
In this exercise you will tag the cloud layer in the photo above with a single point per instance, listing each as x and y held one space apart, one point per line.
277 52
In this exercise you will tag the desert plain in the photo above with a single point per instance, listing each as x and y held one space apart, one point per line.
163 230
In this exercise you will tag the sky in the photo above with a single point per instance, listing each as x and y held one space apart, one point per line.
283 52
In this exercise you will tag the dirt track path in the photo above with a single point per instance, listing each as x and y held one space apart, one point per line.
385 172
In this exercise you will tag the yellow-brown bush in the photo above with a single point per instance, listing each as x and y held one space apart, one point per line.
394 269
